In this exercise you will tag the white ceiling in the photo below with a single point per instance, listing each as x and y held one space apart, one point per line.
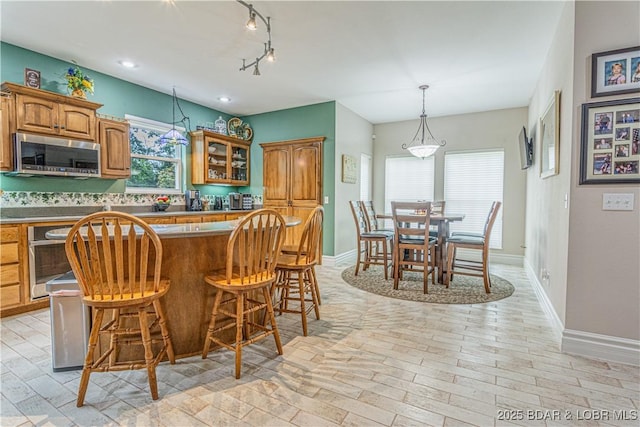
369 56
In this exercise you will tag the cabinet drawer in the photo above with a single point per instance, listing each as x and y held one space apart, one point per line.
10 295
8 253
213 218
160 220
10 274
232 216
188 219
8 234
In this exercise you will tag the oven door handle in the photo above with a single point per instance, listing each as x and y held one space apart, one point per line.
35 243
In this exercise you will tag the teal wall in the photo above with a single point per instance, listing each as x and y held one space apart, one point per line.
297 123
120 97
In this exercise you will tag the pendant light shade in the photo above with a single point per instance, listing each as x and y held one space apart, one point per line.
173 136
423 144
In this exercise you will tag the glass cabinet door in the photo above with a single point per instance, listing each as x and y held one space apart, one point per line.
239 164
217 161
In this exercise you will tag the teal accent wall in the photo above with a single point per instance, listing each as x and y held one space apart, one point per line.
120 97
297 123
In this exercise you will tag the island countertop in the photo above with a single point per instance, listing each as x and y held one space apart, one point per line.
168 231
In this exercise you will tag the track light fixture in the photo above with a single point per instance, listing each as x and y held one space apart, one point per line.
269 51
427 144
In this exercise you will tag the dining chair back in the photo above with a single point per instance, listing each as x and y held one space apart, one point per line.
296 287
414 249
367 251
117 260
252 255
472 267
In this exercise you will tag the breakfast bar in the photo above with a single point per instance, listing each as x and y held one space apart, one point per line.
189 252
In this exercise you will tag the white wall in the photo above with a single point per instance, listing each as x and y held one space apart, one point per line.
353 137
486 130
547 218
603 280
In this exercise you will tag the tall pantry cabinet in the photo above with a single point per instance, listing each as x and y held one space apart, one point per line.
292 179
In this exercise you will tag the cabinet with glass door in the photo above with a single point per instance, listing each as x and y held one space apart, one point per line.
219 159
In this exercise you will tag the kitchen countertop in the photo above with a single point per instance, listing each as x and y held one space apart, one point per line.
168 231
30 215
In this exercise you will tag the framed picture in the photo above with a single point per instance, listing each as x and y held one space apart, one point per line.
32 78
349 169
550 138
609 143
615 72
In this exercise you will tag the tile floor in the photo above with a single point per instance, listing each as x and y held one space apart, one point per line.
370 361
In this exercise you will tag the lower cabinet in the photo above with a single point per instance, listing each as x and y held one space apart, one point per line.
10 265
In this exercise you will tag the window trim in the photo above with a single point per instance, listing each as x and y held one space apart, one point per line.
160 127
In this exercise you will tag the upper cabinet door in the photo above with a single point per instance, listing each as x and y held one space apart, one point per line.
276 175
306 175
115 149
6 144
36 114
77 122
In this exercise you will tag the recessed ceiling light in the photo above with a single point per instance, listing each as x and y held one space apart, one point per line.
127 64
224 99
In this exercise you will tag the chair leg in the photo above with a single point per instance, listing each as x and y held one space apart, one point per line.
239 330
302 305
315 284
485 269
450 255
148 352
433 266
88 360
425 271
212 323
312 289
166 338
272 318
359 253
386 261
396 267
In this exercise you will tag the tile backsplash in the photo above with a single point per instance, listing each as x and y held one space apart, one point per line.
34 199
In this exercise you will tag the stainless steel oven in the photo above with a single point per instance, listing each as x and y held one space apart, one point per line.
47 259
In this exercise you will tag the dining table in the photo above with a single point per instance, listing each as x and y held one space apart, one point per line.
442 222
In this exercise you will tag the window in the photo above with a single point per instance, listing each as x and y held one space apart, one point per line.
472 181
365 177
408 179
154 167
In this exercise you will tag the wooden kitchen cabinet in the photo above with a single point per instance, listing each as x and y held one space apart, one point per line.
6 144
292 179
48 113
219 159
11 289
115 148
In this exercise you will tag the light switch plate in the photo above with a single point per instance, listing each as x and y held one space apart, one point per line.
617 202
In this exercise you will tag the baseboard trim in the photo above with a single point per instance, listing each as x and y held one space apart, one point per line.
343 259
605 347
545 302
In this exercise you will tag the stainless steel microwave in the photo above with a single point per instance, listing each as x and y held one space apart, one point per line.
46 155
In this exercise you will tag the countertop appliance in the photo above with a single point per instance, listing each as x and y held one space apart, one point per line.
247 201
192 200
47 155
217 203
47 259
235 201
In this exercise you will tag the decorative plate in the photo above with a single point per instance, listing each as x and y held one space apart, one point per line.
233 125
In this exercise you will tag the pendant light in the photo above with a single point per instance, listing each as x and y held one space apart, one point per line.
173 136
423 144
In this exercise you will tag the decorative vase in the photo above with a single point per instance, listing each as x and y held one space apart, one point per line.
79 93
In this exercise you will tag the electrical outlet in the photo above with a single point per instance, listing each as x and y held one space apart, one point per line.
326 200
617 201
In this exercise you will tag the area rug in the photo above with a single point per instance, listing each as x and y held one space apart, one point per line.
462 289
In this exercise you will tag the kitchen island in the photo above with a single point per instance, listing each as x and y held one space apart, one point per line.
189 252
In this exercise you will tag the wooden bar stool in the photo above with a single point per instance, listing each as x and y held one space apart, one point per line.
366 239
116 259
252 254
296 272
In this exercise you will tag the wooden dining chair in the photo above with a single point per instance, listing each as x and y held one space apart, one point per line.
437 209
414 249
476 241
117 260
296 281
365 239
252 255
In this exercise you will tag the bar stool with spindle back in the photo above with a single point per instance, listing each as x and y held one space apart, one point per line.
296 275
116 259
365 239
252 253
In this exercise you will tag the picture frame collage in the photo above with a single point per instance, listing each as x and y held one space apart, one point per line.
610 143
